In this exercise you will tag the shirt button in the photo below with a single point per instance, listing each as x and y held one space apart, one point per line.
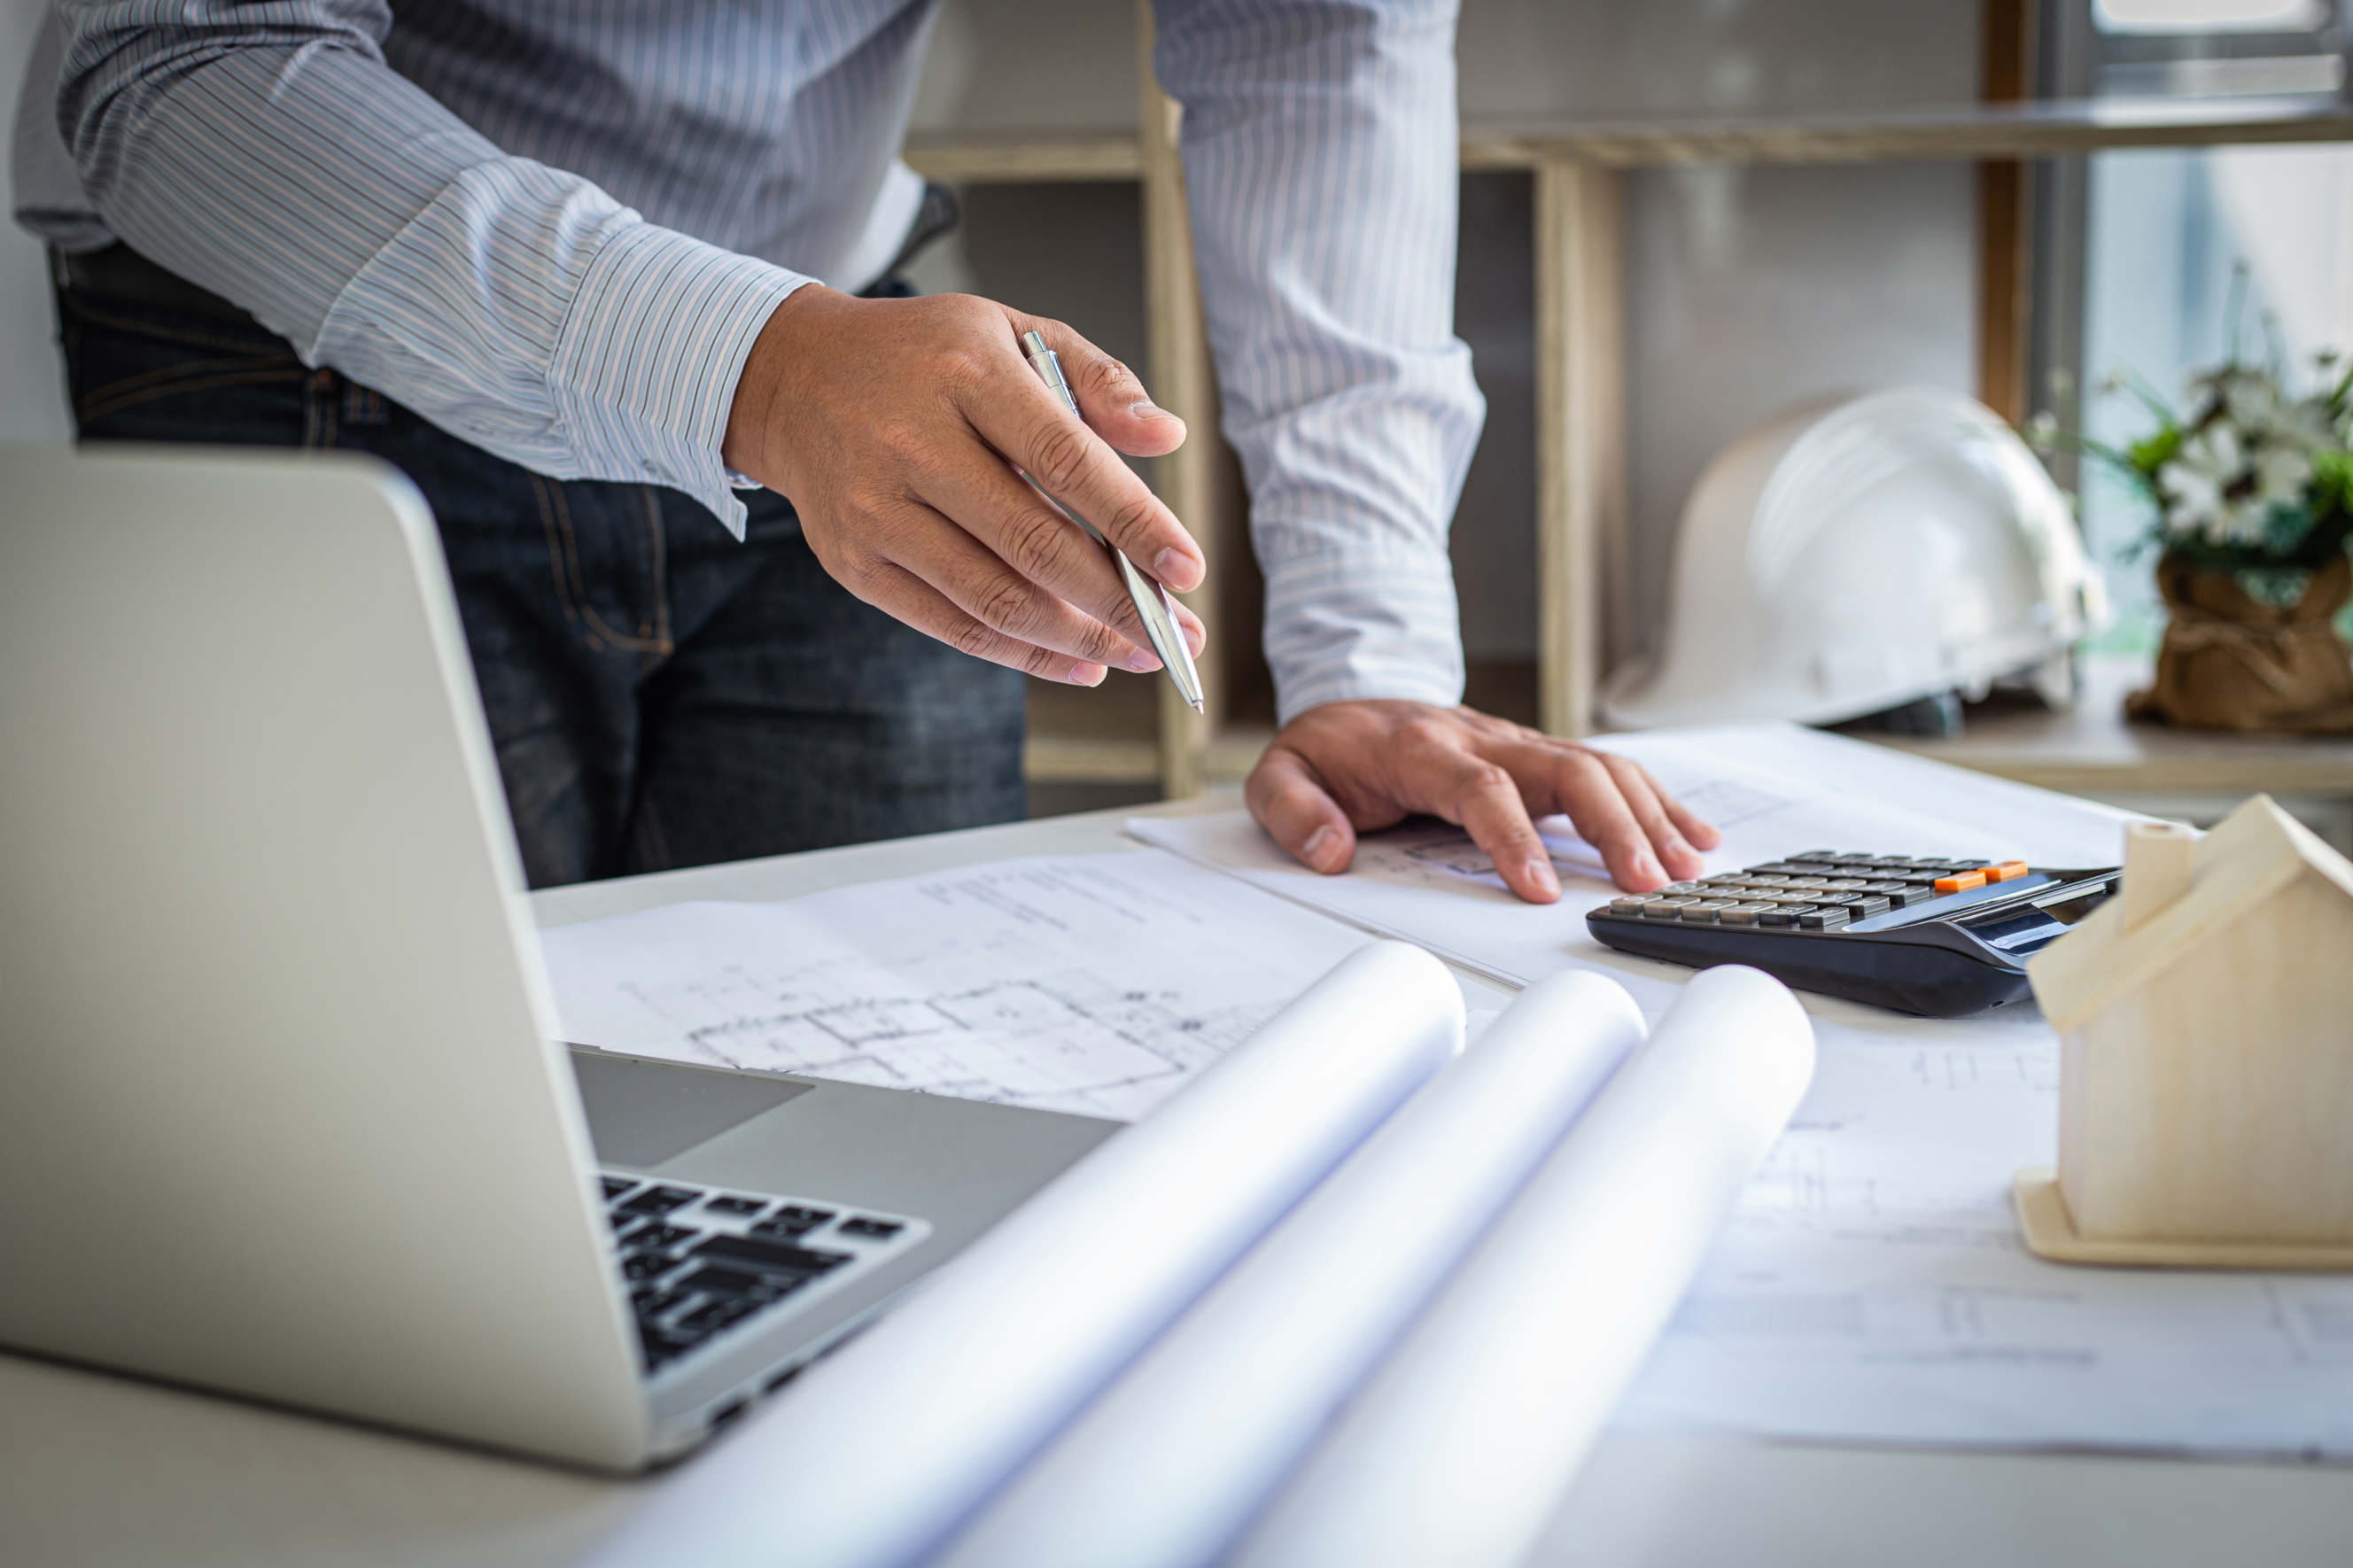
655 471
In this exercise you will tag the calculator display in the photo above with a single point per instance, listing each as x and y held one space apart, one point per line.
2068 911
2026 929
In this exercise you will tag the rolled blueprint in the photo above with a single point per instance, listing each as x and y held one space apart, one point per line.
1166 1468
1454 1453
882 1450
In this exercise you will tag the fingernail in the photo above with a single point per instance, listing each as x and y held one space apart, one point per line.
1176 569
1140 660
1317 843
1147 409
1646 867
1540 872
1085 674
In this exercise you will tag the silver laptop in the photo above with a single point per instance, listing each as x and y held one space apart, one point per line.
282 1110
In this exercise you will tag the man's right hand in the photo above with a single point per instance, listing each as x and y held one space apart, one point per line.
889 425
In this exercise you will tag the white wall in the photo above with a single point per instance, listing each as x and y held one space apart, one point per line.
32 387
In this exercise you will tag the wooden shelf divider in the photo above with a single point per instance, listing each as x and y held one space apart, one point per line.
1185 381
1580 431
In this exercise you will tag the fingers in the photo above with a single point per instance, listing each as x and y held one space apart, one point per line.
1580 785
1651 807
1011 518
1289 801
1195 634
1112 400
897 592
1486 803
1382 760
1015 414
989 590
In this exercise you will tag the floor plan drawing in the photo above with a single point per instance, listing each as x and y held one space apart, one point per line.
1096 985
1063 1041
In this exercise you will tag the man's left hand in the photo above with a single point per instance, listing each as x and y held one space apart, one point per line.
1347 767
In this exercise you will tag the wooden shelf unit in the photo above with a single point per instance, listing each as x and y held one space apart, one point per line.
2052 128
1579 170
2092 748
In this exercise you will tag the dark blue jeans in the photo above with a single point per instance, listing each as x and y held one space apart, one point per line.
659 694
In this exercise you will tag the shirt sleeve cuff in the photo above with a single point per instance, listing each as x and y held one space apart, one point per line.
645 368
1363 623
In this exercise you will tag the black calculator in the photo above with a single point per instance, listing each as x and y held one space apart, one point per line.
1932 935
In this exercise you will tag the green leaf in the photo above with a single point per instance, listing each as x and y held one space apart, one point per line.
2332 481
2153 450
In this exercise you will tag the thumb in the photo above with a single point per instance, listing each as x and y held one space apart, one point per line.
1290 802
1111 398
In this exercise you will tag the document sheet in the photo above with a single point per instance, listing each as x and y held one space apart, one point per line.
1869 1285
1090 983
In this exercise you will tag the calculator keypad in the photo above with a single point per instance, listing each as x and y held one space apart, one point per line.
1820 890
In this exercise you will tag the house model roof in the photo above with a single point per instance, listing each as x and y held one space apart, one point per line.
2255 853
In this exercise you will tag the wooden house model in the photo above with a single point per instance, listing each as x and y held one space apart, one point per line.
2205 1016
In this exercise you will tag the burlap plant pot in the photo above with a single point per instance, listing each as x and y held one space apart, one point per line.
2231 662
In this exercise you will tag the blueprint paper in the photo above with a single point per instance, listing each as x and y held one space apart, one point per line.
879 1450
1169 1465
1456 1448
1872 1286
1869 1285
1089 983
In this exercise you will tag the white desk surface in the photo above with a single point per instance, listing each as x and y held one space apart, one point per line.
101 1470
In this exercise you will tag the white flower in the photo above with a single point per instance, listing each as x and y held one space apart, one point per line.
2212 488
2302 425
2194 486
2249 398
2282 475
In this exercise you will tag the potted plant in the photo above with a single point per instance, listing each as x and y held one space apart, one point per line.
2251 494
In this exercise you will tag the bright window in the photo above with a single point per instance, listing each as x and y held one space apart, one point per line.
2140 247
2165 232
2207 16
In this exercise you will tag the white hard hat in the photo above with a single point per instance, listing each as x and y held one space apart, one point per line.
1858 555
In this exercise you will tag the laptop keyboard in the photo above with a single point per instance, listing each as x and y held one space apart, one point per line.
702 1263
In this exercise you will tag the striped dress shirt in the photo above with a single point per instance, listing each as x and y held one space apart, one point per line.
555 228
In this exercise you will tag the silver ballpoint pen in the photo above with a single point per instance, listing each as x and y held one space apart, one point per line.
1152 601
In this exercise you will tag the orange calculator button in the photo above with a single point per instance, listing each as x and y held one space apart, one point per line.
2008 871
1960 882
